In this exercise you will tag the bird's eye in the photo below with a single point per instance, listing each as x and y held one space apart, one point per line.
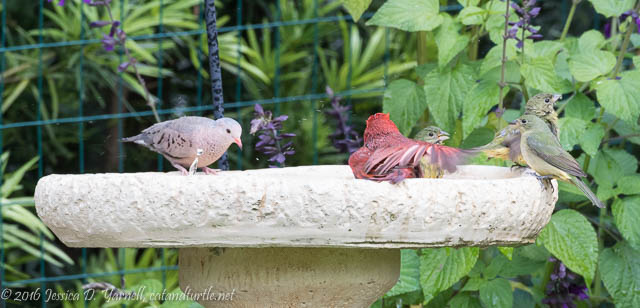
524 121
430 134
228 131
546 100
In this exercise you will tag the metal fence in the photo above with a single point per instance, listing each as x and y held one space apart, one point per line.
233 102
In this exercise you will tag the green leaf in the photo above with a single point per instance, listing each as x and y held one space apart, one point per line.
465 300
447 88
570 131
629 185
493 58
621 97
408 15
11 182
571 238
498 262
635 40
636 61
591 138
590 40
507 252
409 280
449 41
471 15
540 74
482 97
609 165
405 101
589 65
546 48
473 284
356 7
148 286
610 8
626 213
440 268
620 268
580 107
467 3
497 293
478 137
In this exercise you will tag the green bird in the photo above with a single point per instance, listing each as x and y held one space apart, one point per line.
506 143
435 135
543 153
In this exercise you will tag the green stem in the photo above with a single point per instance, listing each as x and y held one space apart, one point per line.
567 24
504 58
548 269
422 47
597 280
625 45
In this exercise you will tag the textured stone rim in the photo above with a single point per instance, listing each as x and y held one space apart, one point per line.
309 206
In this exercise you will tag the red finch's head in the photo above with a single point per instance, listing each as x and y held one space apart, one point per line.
379 124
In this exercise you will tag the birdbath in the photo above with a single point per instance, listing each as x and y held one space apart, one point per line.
309 236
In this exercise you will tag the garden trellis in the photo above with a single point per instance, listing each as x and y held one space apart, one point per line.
233 103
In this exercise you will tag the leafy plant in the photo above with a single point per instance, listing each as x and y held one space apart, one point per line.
462 91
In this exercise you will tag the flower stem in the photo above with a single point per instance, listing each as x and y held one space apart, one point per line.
504 57
567 23
274 134
625 45
150 102
422 47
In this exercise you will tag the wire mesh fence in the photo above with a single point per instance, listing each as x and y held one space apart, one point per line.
65 129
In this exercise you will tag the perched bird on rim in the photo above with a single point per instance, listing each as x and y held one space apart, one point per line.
435 135
543 153
387 155
183 140
506 143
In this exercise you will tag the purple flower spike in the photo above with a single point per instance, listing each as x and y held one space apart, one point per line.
108 42
344 138
99 23
270 139
564 288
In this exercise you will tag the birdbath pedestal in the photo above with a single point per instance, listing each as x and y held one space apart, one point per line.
308 236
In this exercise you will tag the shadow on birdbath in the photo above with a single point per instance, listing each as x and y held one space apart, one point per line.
302 236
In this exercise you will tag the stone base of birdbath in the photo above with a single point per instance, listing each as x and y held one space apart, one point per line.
304 236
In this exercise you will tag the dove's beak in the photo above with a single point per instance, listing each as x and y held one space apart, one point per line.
557 97
443 136
238 142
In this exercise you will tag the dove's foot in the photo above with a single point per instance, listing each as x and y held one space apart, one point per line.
182 170
208 170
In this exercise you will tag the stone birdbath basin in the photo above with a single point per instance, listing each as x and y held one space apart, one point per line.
308 236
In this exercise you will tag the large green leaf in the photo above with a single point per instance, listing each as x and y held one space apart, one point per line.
497 293
409 280
449 41
482 97
571 238
620 268
447 89
609 165
580 107
539 73
404 100
590 40
610 8
440 268
590 64
591 138
465 300
570 131
629 185
356 7
621 97
408 15
626 213
471 15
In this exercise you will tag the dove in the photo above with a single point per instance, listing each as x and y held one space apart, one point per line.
190 142
543 153
387 155
506 143
435 135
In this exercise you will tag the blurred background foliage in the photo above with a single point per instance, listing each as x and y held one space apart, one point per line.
263 63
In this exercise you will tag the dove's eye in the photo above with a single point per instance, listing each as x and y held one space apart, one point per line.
228 131
546 100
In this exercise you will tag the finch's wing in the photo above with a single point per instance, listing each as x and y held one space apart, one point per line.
408 155
550 150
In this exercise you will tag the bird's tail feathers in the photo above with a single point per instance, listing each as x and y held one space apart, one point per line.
139 139
587 192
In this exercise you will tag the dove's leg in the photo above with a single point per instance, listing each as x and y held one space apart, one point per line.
180 168
208 170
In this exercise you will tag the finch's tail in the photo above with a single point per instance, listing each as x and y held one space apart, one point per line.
587 192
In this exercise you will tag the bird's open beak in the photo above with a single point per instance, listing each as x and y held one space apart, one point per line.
514 122
238 142
443 136
557 97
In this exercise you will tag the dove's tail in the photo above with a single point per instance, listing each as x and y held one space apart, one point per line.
139 139
587 192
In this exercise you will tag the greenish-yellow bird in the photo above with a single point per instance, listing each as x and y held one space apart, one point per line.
435 135
506 143
543 153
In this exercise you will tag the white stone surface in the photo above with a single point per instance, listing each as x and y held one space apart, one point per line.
310 206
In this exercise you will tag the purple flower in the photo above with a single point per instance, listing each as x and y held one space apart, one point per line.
344 138
635 18
527 12
269 138
564 288
108 42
